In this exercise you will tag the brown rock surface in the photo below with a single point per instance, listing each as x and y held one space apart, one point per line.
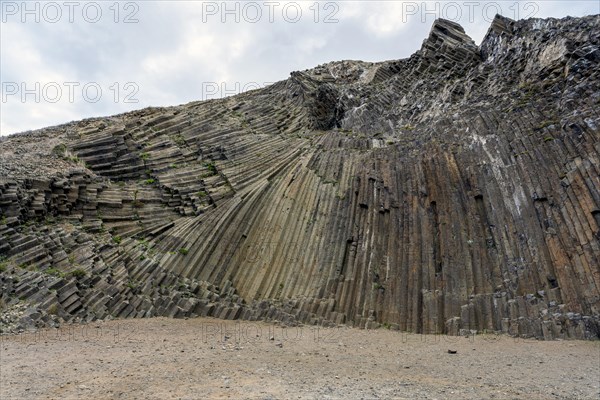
455 190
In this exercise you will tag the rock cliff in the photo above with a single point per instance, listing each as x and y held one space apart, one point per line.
451 191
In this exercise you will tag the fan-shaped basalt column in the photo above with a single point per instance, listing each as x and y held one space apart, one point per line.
455 190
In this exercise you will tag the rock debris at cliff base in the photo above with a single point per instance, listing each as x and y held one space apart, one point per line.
215 359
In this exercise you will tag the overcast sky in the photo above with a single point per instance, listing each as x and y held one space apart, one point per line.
62 61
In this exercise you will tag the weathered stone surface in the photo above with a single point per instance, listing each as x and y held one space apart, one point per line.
453 191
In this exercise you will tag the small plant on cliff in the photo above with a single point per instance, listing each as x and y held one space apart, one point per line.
77 273
117 239
136 203
183 251
143 243
179 139
59 150
54 272
211 168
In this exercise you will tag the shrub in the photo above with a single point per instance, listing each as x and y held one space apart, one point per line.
59 150
55 272
183 251
77 273
211 168
179 139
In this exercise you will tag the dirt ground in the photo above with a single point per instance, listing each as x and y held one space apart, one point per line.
203 358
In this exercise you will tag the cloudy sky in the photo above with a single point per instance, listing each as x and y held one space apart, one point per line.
62 61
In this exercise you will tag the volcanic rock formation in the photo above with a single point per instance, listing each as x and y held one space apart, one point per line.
452 191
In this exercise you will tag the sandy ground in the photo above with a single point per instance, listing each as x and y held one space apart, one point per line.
212 359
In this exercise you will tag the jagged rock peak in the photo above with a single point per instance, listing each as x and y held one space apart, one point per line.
447 47
501 24
448 33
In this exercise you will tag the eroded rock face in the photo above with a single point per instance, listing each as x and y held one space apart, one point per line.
455 190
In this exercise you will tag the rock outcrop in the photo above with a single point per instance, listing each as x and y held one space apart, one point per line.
452 191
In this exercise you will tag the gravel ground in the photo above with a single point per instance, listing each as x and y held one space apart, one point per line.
203 358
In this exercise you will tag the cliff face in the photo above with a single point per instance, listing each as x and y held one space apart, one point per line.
454 190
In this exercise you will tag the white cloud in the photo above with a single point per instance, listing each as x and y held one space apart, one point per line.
388 19
174 50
